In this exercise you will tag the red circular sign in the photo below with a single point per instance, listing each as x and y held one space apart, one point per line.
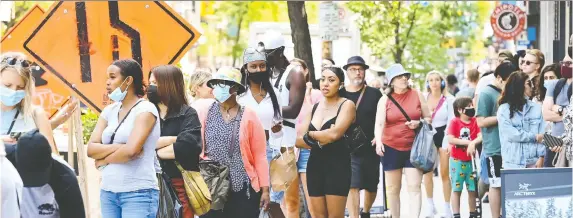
507 21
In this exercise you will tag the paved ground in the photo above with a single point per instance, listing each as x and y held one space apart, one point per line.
438 197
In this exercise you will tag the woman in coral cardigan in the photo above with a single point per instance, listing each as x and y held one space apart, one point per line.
234 137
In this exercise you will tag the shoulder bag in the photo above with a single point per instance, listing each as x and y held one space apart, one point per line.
354 136
423 154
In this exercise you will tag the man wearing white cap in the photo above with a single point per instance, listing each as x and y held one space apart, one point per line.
291 85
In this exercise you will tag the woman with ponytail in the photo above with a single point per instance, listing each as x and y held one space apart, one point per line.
260 96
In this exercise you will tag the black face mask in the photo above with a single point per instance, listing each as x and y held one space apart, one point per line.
470 112
152 95
258 77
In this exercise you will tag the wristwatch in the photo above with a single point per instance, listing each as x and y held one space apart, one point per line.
560 110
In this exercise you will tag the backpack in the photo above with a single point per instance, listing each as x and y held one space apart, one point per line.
560 84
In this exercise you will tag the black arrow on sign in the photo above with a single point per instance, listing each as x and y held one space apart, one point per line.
84 42
130 32
48 66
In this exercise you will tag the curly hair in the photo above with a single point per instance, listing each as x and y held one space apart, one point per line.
514 92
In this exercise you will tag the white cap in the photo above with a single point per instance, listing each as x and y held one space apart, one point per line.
273 39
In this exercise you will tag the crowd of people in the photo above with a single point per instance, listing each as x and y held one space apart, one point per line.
245 120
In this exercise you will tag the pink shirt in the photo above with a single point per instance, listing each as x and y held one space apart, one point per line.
253 143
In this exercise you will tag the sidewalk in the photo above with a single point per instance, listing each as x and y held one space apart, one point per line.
438 198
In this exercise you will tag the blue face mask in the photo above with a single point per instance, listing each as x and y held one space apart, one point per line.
222 93
117 95
11 97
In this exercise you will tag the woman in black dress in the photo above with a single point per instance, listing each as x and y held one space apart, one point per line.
328 169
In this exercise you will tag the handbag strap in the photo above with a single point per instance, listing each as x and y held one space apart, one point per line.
13 122
399 107
360 98
440 103
122 120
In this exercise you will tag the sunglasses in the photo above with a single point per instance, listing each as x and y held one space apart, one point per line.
260 49
14 62
527 62
222 84
530 83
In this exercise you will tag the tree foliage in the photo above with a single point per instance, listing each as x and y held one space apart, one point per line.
412 34
239 16
20 9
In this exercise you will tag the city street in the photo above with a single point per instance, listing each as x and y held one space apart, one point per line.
438 197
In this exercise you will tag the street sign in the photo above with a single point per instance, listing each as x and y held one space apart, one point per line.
329 21
50 93
77 41
508 21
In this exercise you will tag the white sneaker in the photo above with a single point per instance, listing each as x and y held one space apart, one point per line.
447 213
430 210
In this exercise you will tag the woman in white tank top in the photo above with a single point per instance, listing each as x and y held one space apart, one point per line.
440 103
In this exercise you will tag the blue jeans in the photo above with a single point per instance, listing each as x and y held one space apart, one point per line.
136 204
302 160
276 197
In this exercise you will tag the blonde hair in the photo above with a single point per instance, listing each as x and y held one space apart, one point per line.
197 79
26 106
435 72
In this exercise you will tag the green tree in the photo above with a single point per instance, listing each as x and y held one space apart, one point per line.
412 33
20 9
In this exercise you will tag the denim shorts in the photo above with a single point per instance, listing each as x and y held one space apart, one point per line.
276 197
136 204
302 160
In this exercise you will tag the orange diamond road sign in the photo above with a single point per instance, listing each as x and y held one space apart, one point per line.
77 41
50 93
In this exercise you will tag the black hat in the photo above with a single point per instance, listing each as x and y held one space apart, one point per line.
356 60
34 159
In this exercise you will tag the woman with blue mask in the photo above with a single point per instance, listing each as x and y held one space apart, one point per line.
521 124
19 115
234 136
124 154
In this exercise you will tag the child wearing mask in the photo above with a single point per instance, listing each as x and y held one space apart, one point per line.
463 136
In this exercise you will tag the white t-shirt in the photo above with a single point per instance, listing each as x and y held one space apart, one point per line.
136 174
12 186
483 82
265 112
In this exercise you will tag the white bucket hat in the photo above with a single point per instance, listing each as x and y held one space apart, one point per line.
395 70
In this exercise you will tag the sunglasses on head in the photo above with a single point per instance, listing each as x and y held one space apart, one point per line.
15 61
527 62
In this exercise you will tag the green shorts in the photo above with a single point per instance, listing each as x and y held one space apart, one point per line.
460 173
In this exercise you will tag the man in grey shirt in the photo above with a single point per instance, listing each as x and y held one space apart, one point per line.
472 77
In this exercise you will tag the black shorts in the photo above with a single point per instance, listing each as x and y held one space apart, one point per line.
365 171
439 137
328 172
494 164
394 159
